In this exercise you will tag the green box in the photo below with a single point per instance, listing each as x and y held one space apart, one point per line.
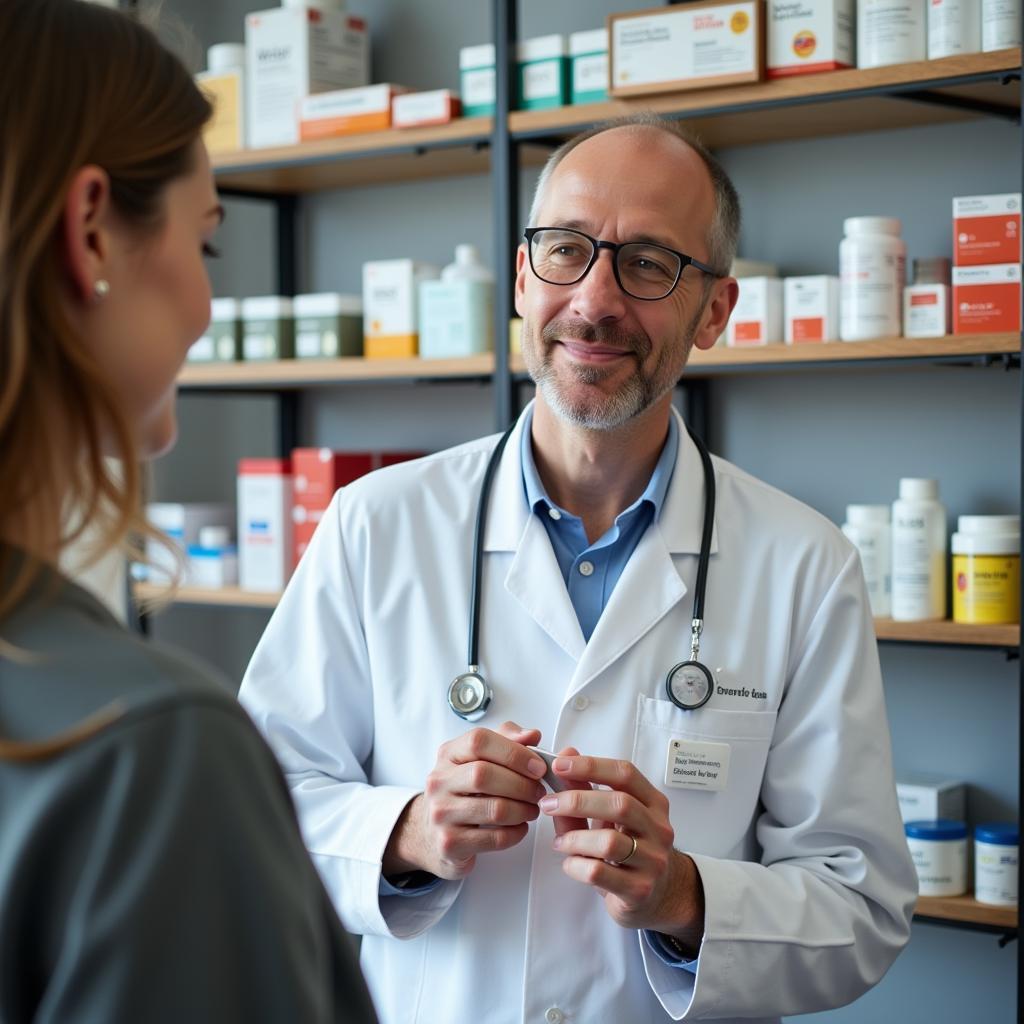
268 329
588 53
222 340
543 73
328 325
476 80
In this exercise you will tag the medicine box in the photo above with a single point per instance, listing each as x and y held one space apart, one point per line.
757 317
588 75
417 109
267 328
328 325
318 473
265 548
456 318
926 312
811 306
690 46
543 73
391 307
292 53
347 111
986 230
221 342
810 35
476 79
925 797
225 131
986 300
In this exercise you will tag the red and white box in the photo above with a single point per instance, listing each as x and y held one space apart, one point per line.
805 36
757 317
986 300
811 307
265 548
986 230
418 109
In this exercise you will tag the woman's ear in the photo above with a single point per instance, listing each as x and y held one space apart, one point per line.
86 234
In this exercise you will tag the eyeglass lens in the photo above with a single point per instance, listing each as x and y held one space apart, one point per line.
562 256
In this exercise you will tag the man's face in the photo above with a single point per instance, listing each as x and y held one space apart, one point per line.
598 356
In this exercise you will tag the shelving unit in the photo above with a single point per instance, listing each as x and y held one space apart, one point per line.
951 90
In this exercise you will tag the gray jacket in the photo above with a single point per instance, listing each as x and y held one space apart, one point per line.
153 870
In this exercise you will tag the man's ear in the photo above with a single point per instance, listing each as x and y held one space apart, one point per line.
85 238
724 294
521 269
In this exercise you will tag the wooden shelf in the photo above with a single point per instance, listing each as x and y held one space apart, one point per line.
227 597
947 632
286 374
967 910
800 106
367 159
811 106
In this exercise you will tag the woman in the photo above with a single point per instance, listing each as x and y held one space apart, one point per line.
151 868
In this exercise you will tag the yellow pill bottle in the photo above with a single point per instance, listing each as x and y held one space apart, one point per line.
986 570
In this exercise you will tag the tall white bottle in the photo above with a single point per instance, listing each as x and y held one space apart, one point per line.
869 530
918 552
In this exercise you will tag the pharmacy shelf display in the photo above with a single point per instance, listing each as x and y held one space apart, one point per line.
292 373
944 91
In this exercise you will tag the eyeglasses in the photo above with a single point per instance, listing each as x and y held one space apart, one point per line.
642 269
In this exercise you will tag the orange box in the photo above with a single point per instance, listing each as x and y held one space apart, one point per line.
986 300
986 230
328 115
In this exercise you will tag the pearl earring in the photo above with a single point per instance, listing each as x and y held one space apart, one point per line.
101 289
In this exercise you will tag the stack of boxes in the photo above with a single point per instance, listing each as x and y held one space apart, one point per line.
986 264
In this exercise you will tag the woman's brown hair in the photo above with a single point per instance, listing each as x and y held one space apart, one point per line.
79 85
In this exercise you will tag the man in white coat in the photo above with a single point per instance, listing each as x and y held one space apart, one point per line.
744 858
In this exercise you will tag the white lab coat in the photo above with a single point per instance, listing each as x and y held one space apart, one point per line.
808 883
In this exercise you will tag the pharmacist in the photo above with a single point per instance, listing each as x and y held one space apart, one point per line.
745 855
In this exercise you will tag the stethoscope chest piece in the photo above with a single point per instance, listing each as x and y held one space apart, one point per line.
469 695
689 685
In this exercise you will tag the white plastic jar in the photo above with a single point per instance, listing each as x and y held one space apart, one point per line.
891 32
939 852
996 850
986 570
918 552
868 529
872 262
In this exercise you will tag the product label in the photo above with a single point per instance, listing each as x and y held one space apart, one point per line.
871 288
890 32
543 80
694 765
590 74
986 588
478 87
1000 24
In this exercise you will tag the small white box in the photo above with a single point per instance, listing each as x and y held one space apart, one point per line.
810 35
415 109
391 307
757 318
265 544
924 797
926 311
291 53
811 308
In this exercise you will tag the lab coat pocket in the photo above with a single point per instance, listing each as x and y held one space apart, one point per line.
710 764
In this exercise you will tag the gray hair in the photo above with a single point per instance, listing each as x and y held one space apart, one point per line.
723 233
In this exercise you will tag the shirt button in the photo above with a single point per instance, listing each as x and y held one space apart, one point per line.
581 703
554 1015
554 513
586 568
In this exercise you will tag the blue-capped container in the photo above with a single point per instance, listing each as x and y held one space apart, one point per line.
939 850
996 853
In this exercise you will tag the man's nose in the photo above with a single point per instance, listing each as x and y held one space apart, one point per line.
598 296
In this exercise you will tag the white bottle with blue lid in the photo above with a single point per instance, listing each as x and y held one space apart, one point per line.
939 851
996 852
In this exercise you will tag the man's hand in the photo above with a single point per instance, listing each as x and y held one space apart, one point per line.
627 854
478 798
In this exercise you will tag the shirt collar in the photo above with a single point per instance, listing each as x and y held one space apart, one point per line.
654 493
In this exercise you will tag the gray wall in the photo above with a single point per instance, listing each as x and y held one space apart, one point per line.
828 437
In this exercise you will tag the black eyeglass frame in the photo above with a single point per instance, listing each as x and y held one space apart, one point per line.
598 244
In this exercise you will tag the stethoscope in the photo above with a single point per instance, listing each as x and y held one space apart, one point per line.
689 684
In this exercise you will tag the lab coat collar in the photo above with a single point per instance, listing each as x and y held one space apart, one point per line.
682 514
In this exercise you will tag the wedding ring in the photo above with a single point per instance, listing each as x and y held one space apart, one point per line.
619 863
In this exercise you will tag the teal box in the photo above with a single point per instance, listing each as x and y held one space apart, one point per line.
476 80
588 53
543 73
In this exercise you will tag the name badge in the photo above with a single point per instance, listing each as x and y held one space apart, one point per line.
695 765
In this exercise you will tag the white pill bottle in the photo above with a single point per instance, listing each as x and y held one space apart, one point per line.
872 273
891 32
918 552
1000 24
867 528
